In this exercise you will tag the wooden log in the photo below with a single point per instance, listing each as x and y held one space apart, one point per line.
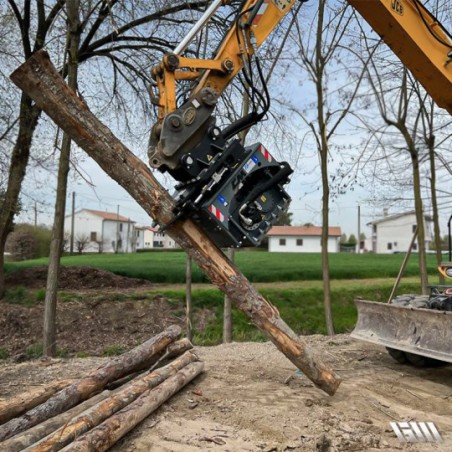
38 78
106 408
36 433
173 350
115 427
89 385
20 404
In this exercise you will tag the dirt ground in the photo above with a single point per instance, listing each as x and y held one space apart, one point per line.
250 398
76 278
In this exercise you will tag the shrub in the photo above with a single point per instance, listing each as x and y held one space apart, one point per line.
29 242
22 245
34 351
19 295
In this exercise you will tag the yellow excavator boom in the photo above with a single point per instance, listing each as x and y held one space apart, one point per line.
418 39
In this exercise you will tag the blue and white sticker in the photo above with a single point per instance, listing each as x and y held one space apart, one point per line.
251 163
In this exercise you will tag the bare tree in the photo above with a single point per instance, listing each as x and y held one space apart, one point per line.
128 38
81 242
56 246
320 54
407 132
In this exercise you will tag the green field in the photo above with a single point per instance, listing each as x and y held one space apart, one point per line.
258 266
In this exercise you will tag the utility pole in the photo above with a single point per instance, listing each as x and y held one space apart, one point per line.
359 230
117 231
128 235
71 249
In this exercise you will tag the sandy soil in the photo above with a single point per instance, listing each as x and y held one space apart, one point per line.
251 398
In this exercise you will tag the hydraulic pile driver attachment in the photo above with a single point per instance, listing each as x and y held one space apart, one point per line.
235 193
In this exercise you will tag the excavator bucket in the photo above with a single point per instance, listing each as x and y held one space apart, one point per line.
425 332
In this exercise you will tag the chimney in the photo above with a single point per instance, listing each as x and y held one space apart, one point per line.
385 212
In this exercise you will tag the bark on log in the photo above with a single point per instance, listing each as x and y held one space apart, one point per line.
115 427
89 385
20 404
172 351
36 433
40 80
106 408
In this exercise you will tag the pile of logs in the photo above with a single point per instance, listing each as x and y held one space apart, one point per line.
93 413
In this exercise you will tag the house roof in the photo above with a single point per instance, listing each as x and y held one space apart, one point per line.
109 216
333 231
396 216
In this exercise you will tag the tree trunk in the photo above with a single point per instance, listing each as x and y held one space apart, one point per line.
28 120
56 244
36 433
19 405
115 427
420 224
324 151
89 385
40 79
436 228
106 408
188 300
227 310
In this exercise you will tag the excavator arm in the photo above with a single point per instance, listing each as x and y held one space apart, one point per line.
410 30
418 39
237 193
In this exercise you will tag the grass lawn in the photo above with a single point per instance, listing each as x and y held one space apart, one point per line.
258 266
300 306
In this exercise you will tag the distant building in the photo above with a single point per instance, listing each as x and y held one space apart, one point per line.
393 233
149 237
98 231
302 239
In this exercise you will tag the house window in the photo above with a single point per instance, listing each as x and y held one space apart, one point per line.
138 233
374 228
93 236
120 227
389 246
282 242
414 248
299 242
414 228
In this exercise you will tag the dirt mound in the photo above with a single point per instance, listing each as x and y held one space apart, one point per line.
98 324
73 278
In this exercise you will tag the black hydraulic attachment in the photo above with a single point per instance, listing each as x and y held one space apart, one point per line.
235 193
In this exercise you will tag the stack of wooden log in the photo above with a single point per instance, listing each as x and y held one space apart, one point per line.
93 413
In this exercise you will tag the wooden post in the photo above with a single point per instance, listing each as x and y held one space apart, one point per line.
89 385
103 436
403 267
25 439
227 309
188 300
95 415
20 404
41 81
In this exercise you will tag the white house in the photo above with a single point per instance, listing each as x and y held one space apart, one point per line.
302 239
393 233
98 231
148 237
